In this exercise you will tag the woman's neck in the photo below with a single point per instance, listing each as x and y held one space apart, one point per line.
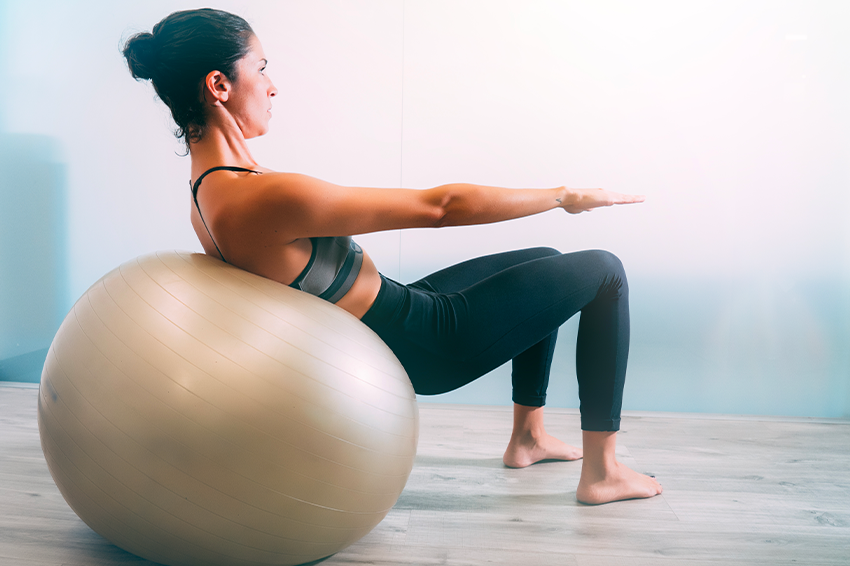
220 146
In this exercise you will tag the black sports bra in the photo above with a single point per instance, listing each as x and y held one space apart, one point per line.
334 262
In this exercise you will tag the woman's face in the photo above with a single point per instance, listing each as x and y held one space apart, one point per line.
250 103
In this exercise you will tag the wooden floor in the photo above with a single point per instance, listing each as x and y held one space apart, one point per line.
737 490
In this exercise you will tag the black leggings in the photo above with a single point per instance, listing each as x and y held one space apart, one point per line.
459 323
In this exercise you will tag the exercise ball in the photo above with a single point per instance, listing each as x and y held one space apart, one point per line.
194 413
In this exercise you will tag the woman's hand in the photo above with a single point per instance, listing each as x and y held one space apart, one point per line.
585 200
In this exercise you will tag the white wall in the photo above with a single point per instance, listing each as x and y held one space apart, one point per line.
730 116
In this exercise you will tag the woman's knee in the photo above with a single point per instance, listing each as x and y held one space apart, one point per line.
543 251
611 268
608 260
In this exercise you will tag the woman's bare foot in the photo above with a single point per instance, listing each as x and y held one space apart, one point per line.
524 450
615 484
603 478
531 443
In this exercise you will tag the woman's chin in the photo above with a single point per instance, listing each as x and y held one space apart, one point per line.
257 133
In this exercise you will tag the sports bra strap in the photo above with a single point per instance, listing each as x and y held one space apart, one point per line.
197 185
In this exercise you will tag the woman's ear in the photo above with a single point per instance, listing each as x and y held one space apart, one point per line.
216 88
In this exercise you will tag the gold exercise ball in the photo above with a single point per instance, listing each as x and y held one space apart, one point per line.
194 413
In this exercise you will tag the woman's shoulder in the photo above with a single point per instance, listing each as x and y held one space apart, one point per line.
260 182
263 194
267 177
288 186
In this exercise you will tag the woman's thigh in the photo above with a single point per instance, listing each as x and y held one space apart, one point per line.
519 306
462 275
493 320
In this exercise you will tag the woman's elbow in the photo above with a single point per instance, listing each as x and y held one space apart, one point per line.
439 218
451 206
435 206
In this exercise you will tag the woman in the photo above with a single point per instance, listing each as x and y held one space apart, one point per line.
446 329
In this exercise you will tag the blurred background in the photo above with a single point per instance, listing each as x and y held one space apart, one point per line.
731 116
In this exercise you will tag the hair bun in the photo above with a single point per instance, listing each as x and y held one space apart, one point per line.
140 52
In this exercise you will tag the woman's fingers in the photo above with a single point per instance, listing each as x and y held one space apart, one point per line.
595 198
629 199
608 198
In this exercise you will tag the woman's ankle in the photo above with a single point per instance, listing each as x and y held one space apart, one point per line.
599 451
528 421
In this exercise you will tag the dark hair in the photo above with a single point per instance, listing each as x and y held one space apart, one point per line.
183 48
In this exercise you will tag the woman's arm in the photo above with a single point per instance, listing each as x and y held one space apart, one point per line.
300 206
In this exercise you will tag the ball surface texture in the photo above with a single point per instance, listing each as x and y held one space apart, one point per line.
194 413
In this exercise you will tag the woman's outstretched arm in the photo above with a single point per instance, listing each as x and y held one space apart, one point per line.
300 206
478 204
